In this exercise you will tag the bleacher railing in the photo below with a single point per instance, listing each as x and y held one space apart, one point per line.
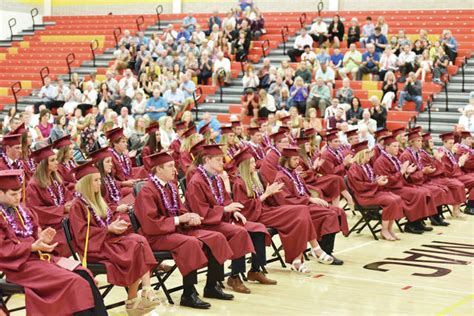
265 48
11 24
44 72
34 13
159 10
197 94
140 21
70 58
94 45
320 7
117 33
16 88
244 59
285 31
462 71
303 18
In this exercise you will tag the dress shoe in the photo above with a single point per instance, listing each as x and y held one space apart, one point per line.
410 228
194 301
442 222
438 221
260 277
337 262
217 293
237 285
469 211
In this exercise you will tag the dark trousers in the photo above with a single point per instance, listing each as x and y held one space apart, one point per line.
293 53
451 54
327 243
320 39
215 273
50 104
99 307
367 70
259 258
406 69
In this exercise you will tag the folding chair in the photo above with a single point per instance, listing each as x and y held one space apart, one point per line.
159 256
7 290
137 187
95 268
276 250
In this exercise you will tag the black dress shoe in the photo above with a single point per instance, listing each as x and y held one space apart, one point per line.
442 222
469 211
421 225
410 228
337 262
435 221
194 301
217 293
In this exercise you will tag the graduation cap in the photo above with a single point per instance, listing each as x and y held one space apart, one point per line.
252 130
160 158
101 153
205 128
226 130
447 136
302 140
426 136
153 127
11 140
194 150
360 146
387 140
352 133
243 155
309 132
413 135
289 152
62 142
278 135
10 179
180 126
190 131
465 134
42 153
381 133
212 150
114 134
332 136
85 169
19 130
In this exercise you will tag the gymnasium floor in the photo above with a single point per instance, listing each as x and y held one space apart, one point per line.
352 289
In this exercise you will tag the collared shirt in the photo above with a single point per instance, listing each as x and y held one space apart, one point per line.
48 92
301 42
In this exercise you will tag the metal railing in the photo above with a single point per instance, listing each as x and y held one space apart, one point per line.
244 59
16 87
285 31
159 10
34 13
196 98
462 71
446 94
303 18
320 7
429 114
117 33
11 24
70 58
265 47
44 72
94 45
140 21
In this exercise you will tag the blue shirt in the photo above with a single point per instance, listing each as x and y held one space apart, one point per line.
375 56
153 103
191 22
189 85
381 39
214 124
299 96
184 34
323 58
336 59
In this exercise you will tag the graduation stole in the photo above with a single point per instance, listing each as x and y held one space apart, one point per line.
369 172
69 165
57 200
275 150
336 154
450 155
298 183
394 160
111 188
13 165
218 196
124 161
468 149
416 155
258 153
171 207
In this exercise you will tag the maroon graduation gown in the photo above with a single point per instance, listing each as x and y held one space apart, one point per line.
456 188
49 289
40 202
292 222
469 164
328 186
257 152
119 174
367 193
200 200
326 220
453 171
331 164
185 243
185 160
417 203
175 148
127 257
376 152
268 167
69 180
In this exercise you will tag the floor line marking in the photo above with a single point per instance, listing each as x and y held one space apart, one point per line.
355 247
452 307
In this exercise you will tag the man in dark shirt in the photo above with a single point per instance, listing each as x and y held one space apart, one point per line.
370 62
379 40
412 92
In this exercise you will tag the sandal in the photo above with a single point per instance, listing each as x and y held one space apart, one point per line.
324 258
299 266
134 307
149 299
391 238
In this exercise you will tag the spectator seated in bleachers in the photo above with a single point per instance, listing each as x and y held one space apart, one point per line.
370 62
300 42
378 112
353 32
351 62
336 31
367 30
319 96
411 92
319 31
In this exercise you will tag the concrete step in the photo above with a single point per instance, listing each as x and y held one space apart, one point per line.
98 63
457 87
452 96
441 116
458 79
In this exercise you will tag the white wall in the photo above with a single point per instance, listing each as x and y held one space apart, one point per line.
23 21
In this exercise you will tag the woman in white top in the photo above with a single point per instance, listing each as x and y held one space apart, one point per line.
138 104
166 131
267 103
250 79
425 65
383 25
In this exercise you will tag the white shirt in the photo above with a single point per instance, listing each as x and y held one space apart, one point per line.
270 104
388 61
127 85
321 28
301 42
406 57
309 57
329 75
166 138
224 63
90 97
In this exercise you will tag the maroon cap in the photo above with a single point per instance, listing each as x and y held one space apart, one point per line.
212 150
285 119
252 130
413 135
42 153
190 131
194 150
360 146
226 130
278 135
85 169
352 133
114 134
381 133
10 179
302 140
160 158
284 128
19 130
309 132
289 152
235 124
153 127
447 136
387 140
205 128
426 136
398 131
332 136
101 153
62 142
417 129
11 140
180 125
465 134
243 155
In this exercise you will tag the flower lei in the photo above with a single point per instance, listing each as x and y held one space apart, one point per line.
125 163
57 200
112 189
299 185
70 164
465 147
336 154
450 155
276 150
394 160
218 196
27 229
231 151
97 218
416 155
258 153
12 165
171 207
257 190
369 172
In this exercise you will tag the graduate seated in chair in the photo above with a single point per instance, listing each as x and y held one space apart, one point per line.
103 235
53 285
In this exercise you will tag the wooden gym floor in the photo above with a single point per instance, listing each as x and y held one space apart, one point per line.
444 286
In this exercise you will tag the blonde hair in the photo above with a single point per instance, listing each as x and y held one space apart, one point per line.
189 142
250 179
360 157
61 155
95 199
42 174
